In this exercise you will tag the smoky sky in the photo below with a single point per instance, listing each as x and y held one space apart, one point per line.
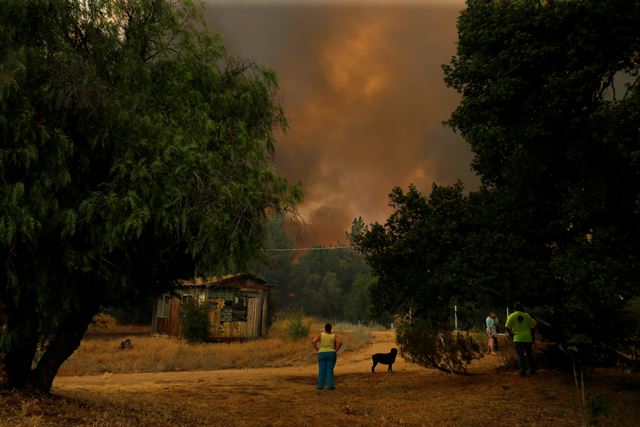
362 88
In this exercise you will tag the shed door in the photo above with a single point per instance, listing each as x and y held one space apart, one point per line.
254 317
215 312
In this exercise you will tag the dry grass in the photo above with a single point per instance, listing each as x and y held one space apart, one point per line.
275 386
100 351
410 396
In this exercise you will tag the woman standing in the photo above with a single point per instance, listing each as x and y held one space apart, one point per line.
491 323
327 345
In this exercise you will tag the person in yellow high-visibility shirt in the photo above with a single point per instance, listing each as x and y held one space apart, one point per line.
327 345
520 326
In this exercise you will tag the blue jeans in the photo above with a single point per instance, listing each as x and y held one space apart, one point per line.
525 358
326 362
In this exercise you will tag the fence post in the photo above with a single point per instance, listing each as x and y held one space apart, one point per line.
455 317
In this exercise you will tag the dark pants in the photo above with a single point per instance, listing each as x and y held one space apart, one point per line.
524 354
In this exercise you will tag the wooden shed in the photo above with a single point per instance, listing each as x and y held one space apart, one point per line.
237 307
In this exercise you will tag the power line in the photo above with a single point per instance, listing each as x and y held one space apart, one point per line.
308 249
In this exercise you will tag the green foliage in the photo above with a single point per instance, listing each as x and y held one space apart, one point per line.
297 329
357 305
195 321
331 284
276 266
550 107
600 406
549 94
416 255
134 152
424 343
546 108
321 280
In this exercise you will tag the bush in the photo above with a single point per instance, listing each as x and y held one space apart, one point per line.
600 406
420 342
297 329
195 321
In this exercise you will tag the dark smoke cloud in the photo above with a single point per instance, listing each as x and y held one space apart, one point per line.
362 88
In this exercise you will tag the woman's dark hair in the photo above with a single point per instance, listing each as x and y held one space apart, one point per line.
327 327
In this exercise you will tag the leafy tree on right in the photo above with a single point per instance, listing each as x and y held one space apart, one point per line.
551 108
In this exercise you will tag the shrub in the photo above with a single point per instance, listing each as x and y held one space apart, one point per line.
600 406
420 342
195 321
102 322
297 329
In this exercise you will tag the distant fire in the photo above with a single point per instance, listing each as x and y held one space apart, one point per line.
362 88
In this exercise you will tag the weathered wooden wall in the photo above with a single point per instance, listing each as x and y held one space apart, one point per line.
170 325
222 325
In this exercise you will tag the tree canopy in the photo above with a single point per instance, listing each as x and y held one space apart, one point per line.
134 151
426 258
324 282
550 107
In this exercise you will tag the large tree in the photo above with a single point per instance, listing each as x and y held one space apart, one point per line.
411 253
551 109
133 151
426 259
444 249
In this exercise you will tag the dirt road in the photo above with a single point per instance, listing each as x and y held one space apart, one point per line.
411 395
356 362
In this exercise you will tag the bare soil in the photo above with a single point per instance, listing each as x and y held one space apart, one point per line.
411 395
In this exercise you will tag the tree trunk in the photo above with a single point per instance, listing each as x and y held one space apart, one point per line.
21 335
65 342
18 330
4 315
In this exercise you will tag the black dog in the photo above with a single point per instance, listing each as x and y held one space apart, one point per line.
126 344
385 359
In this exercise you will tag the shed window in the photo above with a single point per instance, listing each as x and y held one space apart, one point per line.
186 300
163 306
239 309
